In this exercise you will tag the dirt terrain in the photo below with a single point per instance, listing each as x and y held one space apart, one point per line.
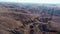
12 18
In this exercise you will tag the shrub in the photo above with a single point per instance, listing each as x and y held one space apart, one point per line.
58 32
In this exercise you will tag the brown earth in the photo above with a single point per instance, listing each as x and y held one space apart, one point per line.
12 18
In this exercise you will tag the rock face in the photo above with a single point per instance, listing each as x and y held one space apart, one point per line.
15 20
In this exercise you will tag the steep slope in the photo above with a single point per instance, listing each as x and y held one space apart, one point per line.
20 18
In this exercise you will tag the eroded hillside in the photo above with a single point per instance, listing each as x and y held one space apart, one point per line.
15 20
